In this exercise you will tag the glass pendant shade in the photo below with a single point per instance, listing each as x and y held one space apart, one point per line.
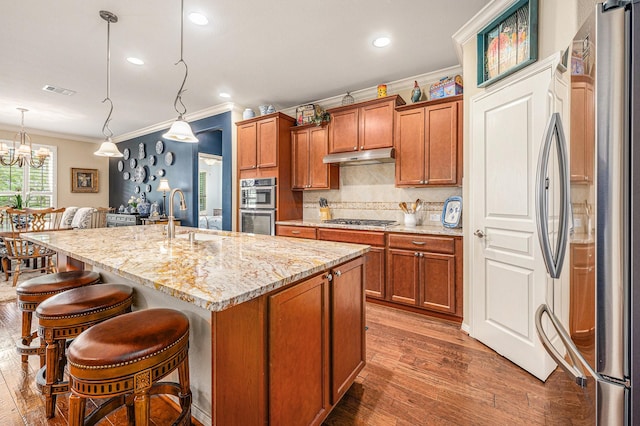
24 150
180 131
108 149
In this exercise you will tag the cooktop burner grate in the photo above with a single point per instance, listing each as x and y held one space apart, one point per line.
361 222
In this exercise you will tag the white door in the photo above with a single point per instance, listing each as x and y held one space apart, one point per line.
509 278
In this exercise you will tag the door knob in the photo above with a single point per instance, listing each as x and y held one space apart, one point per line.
479 233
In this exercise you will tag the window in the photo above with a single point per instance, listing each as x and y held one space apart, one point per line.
37 187
202 191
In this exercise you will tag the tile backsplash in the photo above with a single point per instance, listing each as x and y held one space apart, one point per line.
369 192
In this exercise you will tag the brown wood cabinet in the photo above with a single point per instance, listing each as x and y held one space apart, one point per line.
428 139
261 139
296 231
582 142
309 144
365 125
582 293
287 357
425 272
374 259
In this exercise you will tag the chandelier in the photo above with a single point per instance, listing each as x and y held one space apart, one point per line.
24 154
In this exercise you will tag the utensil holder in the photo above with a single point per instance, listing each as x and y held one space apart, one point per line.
325 213
410 219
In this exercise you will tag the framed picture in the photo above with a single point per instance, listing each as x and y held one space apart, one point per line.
84 180
509 43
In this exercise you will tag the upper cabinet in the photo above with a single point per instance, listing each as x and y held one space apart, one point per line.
428 140
259 140
309 144
582 129
365 125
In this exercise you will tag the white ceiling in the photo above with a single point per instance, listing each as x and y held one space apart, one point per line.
285 53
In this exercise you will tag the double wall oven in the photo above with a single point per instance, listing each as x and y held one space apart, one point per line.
258 206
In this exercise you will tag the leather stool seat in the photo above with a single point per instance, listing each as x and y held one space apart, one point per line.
124 358
36 290
66 315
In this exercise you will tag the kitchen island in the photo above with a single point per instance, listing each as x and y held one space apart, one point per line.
277 324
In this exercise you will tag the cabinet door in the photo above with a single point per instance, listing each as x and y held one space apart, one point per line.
318 148
344 131
582 132
438 282
376 123
267 143
402 276
374 273
347 326
582 294
441 156
300 159
410 147
298 354
247 138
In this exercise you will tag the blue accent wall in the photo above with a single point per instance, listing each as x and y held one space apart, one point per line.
214 134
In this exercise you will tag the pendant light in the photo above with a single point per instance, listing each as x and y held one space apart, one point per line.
180 130
108 148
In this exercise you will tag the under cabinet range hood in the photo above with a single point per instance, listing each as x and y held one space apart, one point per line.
369 156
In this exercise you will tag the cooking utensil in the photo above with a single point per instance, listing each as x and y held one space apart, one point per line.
403 207
418 205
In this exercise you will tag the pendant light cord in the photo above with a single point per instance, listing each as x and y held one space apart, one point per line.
186 68
106 130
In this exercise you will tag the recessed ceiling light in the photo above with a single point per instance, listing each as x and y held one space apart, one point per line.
224 95
198 18
382 42
135 61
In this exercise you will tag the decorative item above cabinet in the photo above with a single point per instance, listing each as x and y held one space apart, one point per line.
363 125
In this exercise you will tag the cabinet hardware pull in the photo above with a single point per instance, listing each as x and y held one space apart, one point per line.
362 147
416 254
355 148
338 273
419 243
329 277
295 232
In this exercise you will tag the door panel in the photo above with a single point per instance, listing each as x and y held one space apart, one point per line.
318 148
442 143
410 161
438 282
374 273
247 138
403 274
267 143
300 158
509 275
344 131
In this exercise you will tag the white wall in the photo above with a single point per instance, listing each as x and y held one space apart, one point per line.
73 154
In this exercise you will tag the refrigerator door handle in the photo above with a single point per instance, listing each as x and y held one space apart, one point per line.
574 368
553 261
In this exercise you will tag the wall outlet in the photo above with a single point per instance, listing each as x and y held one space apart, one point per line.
434 217
577 222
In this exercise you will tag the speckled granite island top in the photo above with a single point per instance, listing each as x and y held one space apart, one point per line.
218 270
420 229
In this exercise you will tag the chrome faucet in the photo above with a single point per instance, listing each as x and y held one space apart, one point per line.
171 226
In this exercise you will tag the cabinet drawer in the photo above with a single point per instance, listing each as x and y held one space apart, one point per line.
348 236
296 231
423 243
583 255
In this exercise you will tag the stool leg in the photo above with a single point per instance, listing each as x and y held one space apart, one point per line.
185 385
141 405
26 331
51 376
77 406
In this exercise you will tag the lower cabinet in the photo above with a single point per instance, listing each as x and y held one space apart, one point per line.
582 293
425 272
118 219
288 357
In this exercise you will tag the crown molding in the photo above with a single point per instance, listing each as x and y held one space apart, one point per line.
203 113
48 134
405 84
480 20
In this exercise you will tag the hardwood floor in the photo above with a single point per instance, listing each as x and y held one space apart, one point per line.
419 372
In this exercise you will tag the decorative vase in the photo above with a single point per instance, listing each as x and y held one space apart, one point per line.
248 113
347 99
144 206
382 90
271 109
416 93
263 109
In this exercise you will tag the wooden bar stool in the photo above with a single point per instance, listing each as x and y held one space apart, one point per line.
66 315
36 290
123 359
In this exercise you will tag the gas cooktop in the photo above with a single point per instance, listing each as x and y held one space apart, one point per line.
361 222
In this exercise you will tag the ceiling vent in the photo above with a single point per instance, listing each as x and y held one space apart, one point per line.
59 90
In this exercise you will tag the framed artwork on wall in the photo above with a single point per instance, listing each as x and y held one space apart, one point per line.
84 180
509 43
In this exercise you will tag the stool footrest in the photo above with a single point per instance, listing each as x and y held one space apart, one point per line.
23 349
54 389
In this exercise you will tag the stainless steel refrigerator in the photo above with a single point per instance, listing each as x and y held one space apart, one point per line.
588 198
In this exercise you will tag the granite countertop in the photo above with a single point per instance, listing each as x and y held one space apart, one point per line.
220 269
420 229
